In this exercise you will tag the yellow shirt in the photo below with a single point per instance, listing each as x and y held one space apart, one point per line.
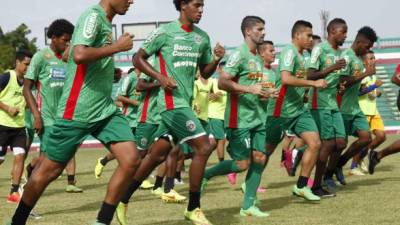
368 101
200 99
216 109
12 96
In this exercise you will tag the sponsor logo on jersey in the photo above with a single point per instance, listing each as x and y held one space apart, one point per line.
90 25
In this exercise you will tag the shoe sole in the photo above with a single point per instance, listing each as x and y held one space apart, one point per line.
172 200
303 197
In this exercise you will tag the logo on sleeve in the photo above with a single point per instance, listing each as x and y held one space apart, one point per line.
315 54
233 59
89 27
288 58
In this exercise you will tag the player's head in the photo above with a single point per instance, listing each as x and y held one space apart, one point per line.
190 9
337 30
22 61
302 34
365 39
117 75
253 28
120 7
60 32
369 58
267 52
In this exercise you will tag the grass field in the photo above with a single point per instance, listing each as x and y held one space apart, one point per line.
365 200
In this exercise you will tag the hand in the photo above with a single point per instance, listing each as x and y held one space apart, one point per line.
340 64
378 93
321 83
370 70
254 89
125 42
12 111
38 125
219 52
378 83
167 83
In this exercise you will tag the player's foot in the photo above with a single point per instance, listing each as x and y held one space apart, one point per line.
363 166
261 190
197 217
178 182
356 171
322 193
373 161
305 193
146 185
34 215
157 192
253 211
71 188
232 178
173 197
340 176
121 213
330 184
288 161
14 198
204 184
98 170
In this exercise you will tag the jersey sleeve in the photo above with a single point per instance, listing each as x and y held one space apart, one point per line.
34 67
123 89
87 29
233 64
315 59
206 53
346 71
155 41
287 60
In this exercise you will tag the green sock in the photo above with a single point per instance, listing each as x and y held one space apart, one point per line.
222 168
253 179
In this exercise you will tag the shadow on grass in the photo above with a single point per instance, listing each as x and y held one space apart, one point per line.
92 206
84 187
353 185
281 184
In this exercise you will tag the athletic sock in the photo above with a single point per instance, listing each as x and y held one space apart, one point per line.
71 179
353 165
131 189
158 182
178 176
14 188
222 168
329 173
169 184
21 213
302 182
106 213
253 179
104 161
194 201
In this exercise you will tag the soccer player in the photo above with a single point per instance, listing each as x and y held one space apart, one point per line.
288 111
241 78
367 100
181 48
46 75
355 121
12 119
86 108
325 63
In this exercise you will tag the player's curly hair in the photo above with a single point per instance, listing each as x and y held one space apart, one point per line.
368 33
177 3
60 27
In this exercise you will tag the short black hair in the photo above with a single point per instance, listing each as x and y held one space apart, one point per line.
131 70
177 3
222 63
250 21
299 25
335 22
316 37
266 42
60 27
20 55
368 33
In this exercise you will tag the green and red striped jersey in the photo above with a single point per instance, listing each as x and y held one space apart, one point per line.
148 111
128 89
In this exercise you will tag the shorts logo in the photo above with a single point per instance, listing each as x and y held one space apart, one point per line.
90 26
143 141
190 125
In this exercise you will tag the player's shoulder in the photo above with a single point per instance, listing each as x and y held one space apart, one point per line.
200 32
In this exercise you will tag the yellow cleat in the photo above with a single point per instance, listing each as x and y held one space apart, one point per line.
98 170
158 192
197 217
121 213
146 185
173 197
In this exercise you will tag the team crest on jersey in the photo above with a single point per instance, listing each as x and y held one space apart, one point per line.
252 65
90 25
328 61
190 125
47 55
233 59
197 39
143 141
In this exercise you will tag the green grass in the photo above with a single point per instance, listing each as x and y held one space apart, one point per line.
365 200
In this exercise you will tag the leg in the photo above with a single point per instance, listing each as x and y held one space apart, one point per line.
364 139
326 149
375 157
71 168
17 170
221 150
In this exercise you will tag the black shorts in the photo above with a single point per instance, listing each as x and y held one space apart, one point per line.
15 138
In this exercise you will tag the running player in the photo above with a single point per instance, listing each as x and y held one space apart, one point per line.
12 120
325 63
86 108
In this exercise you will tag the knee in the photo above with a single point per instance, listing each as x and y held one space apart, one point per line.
20 158
381 137
204 150
259 157
243 165
314 145
365 140
131 162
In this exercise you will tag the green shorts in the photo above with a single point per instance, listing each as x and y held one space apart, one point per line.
276 126
181 124
242 141
354 123
65 136
330 123
205 125
186 149
217 129
145 135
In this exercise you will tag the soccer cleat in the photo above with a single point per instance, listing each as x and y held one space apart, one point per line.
232 178
197 217
356 171
14 198
157 192
288 161
172 197
146 185
34 215
322 193
305 193
253 211
71 188
203 187
98 170
261 190
330 183
373 161
363 166
178 182
340 176
121 213
310 182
